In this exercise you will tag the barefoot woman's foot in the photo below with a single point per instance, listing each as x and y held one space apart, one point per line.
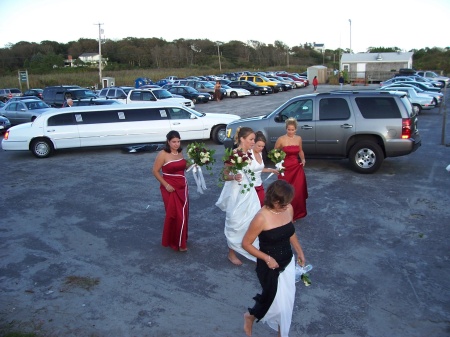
182 249
233 258
248 323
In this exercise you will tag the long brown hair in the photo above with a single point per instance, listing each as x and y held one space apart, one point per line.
242 132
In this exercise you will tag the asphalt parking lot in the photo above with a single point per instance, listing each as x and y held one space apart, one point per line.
81 255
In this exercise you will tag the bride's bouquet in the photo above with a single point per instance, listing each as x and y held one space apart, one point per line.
200 156
237 161
277 157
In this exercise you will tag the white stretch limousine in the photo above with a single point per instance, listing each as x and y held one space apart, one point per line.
113 125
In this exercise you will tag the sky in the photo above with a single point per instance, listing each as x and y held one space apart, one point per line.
359 24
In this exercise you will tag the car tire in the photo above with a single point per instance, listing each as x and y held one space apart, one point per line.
366 157
194 100
256 92
41 148
218 134
417 108
281 89
233 94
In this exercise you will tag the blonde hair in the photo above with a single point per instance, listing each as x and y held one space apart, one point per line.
291 121
242 132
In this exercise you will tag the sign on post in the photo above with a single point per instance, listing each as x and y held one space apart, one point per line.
23 77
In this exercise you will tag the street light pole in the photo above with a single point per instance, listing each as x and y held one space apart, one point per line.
100 52
218 43
349 20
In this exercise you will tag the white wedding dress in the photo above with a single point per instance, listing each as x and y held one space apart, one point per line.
240 209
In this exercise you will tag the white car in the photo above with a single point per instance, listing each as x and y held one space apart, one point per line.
236 92
151 95
117 124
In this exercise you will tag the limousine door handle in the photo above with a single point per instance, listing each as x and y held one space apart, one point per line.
346 126
53 130
176 123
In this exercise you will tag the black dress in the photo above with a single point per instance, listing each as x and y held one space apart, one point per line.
274 242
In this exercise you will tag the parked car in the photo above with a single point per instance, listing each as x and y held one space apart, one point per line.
235 92
156 95
6 94
24 111
419 85
117 92
5 124
103 125
21 98
435 77
437 96
262 81
299 82
55 96
34 92
284 86
190 93
363 126
206 87
403 79
255 89
93 101
419 101
419 78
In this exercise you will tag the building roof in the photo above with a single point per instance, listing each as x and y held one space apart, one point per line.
377 57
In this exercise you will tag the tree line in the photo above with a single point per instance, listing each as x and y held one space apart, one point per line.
155 53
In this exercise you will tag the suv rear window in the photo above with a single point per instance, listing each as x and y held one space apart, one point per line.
333 109
378 107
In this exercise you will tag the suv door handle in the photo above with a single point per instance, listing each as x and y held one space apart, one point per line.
306 127
346 126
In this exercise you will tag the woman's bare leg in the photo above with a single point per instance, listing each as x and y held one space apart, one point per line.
248 323
233 258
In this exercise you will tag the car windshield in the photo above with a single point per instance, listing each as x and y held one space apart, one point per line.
162 94
225 86
83 93
34 105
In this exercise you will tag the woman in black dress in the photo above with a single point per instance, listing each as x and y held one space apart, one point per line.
275 266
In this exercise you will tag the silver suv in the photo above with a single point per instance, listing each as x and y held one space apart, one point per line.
363 126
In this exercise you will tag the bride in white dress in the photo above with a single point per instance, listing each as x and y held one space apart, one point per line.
239 204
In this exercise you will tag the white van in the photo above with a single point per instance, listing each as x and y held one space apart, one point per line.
113 125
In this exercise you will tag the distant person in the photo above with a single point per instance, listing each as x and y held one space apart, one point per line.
217 93
315 83
69 103
341 80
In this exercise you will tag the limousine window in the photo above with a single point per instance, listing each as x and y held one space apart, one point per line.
179 113
62 119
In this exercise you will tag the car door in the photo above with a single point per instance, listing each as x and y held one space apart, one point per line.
187 124
10 112
62 130
302 110
334 126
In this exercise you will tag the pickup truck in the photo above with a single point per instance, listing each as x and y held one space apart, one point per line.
433 76
156 95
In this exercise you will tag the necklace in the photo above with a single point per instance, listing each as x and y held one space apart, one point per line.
175 154
271 211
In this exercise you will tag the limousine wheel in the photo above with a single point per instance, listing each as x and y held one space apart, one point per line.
41 148
219 134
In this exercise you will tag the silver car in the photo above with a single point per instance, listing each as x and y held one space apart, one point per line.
24 111
419 101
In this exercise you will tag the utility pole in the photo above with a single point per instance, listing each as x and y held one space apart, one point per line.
287 56
218 43
349 20
100 31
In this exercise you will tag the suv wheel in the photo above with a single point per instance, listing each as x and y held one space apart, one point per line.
366 157
41 148
256 92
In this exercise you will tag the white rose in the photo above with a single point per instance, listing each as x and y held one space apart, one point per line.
239 160
232 161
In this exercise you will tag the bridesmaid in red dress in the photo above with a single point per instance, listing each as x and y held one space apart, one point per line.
174 191
294 172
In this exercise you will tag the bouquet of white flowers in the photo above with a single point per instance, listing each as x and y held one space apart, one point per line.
200 156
